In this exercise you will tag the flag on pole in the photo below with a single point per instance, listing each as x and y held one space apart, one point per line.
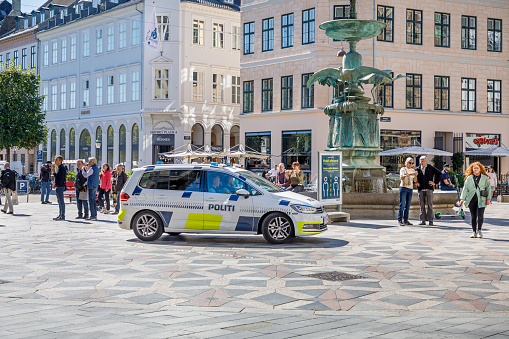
152 35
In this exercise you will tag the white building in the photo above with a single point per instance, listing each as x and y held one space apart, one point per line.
109 96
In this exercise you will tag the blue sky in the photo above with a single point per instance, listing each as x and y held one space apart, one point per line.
29 5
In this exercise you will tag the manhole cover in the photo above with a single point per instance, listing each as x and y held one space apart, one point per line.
335 276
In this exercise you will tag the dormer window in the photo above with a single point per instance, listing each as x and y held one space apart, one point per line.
62 14
34 19
51 12
25 22
43 15
228 1
95 3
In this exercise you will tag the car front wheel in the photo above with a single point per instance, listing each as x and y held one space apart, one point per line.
148 226
277 228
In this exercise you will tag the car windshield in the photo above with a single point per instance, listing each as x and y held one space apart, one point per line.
261 182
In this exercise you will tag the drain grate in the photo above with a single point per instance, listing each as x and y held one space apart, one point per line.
335 276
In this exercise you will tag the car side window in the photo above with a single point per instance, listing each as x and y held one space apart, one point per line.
149 180
163 181
222 183
252 191
185 180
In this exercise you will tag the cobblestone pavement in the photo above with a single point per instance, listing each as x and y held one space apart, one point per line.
93 279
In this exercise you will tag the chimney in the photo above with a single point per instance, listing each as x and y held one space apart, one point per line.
16 8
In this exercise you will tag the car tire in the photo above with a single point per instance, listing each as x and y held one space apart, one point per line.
277 228
173 234
147 226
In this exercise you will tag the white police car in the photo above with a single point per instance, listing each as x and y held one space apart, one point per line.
214 199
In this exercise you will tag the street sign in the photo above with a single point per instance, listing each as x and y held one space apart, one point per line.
385 119
39 156
330 174
22 187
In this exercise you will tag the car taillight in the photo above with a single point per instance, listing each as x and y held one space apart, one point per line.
124 197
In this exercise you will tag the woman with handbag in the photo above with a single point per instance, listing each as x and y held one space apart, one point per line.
408 177
475 195
296 178
80 183
105 188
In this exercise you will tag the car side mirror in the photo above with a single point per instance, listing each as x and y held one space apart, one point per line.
242 193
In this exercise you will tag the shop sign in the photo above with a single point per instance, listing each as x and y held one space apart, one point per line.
385 119
476 141
330 174
163 139
163 131
187 137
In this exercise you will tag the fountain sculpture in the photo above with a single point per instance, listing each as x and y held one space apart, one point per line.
353 120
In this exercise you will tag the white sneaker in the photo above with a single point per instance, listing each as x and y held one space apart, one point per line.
474 235
106 212
479 234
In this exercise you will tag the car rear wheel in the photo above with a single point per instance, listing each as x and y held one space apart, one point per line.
277 228
148 226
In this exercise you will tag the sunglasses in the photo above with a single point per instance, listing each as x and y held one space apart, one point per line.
411 163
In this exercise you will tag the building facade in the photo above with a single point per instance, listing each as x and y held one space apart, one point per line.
451 53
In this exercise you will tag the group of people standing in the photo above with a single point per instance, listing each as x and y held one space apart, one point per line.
476 194
291 180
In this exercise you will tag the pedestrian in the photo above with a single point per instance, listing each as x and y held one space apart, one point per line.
475 194
208 159
119 184
445 183
281 179
45 182
105 189
493 180
408 177
60 175
296 177
80 183
92 175
8 180
272 173
427 177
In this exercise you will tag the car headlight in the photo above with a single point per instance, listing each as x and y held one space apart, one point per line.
304 209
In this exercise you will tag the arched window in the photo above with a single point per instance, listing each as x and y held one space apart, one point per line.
72 144
197 136
85 144
234 136
135 146
109 160
122 140
53 145
216 138
62 143
98 142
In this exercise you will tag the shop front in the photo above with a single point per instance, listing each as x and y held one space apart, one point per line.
390 139
258 142
477 141
162 141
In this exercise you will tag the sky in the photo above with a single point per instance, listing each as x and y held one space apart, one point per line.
29 5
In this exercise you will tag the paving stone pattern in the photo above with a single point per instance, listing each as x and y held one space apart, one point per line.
76 271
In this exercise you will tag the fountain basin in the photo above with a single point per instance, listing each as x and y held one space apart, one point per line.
352 29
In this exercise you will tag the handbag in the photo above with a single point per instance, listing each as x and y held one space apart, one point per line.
483 193
14 198
83 195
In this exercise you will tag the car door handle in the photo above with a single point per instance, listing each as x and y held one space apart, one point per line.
211 199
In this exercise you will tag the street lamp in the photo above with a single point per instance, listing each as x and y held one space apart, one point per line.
98 142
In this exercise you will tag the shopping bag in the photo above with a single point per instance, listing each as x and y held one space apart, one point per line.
83 195
14 198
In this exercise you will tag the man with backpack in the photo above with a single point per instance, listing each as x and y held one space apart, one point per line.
8 179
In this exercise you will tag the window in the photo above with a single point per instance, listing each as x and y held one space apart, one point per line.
63 96
248 96
111 89
185 180
16 59
267 34
1 60
296 146
163 27
72 94
54 93
149 180
99 91
122 87
287 30
99 41
161 80
494 35
45 55
441 93
222 183
258 142
249 31
24 58
43 15
135 33
218 35
73 48
235 89
86 45
308 94
111 39
413 90
267 95
341 12
8 58
308 26
384 95
135 86
414 26
197 86
442 29
34 20
468 32
33 56
86 93
494 96
390 139
45 100
198 30
386 14
54 53
63 50
287 92
122 35
217 88
468 93
236 38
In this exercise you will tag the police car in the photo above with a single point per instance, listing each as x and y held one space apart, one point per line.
192 198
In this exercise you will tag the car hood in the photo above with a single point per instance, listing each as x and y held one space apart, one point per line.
296 198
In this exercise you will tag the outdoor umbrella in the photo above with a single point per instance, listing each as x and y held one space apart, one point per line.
492 151
242 153
417 150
